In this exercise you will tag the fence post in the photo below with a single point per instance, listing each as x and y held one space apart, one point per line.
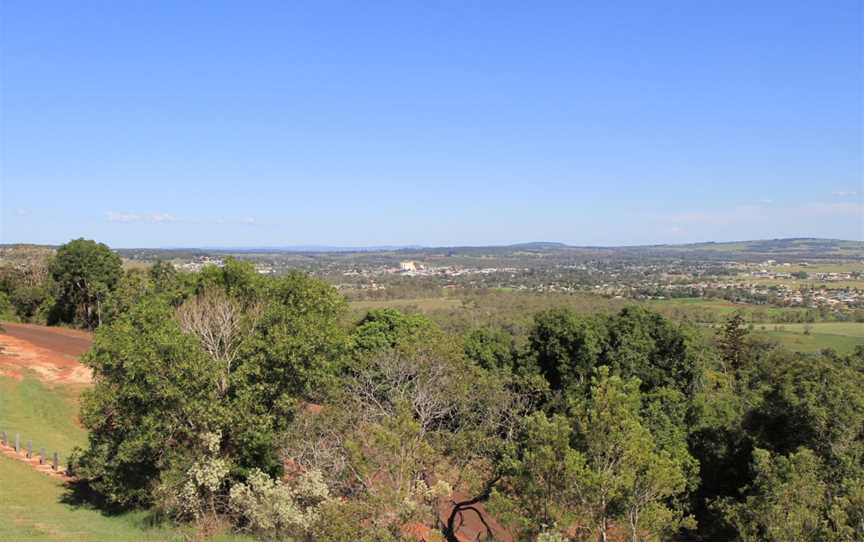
3 435
42 456
56 461
29 449
17 442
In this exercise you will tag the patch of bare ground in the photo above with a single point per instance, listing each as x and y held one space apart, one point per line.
50 353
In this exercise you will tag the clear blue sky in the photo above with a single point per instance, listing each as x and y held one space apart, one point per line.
440 123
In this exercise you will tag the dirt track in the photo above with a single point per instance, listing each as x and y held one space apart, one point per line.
65 341
52 353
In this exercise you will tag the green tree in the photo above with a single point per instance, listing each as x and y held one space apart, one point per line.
383 329
732 341
133 286
492 349
786 501
237 278
604 468
155 393
169 282
628 474
166 376
7 310
566 347
644 345
28 300
548 474
85 272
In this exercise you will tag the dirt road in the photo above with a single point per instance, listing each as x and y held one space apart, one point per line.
50 352
65 341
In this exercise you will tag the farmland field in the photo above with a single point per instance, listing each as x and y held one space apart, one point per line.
814 342
845 329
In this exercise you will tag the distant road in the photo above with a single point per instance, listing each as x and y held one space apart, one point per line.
65 341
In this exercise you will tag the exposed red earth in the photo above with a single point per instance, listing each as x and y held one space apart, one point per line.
473 523
50 352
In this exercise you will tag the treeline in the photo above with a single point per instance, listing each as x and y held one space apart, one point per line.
230 398
74 286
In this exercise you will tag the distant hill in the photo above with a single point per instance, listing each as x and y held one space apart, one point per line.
787 249
538 245
806 247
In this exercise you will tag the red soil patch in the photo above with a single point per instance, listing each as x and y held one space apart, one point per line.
418 532
473 523
72 342
52 353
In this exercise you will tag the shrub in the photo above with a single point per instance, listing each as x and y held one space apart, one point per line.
275 509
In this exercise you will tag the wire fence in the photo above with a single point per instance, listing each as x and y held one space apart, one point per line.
44 459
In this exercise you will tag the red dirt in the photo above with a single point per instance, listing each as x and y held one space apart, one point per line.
72 342
52 353
418 532
473 523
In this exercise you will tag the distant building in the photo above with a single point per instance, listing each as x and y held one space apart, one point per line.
407 266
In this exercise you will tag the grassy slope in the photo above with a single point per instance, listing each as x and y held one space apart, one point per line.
32 510
42 412
31 503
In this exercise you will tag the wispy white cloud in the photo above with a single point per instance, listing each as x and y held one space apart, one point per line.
114 216
22 212
154 218
846 193
161 218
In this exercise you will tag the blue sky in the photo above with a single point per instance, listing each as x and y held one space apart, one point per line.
438 123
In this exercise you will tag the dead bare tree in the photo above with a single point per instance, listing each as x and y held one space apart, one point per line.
218 322
418 380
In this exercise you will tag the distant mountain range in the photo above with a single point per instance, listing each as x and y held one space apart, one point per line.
804 247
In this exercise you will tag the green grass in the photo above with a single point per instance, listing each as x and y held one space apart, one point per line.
32 506
32 509
841 336
422 304
43 413
715 310
813 342
846 329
